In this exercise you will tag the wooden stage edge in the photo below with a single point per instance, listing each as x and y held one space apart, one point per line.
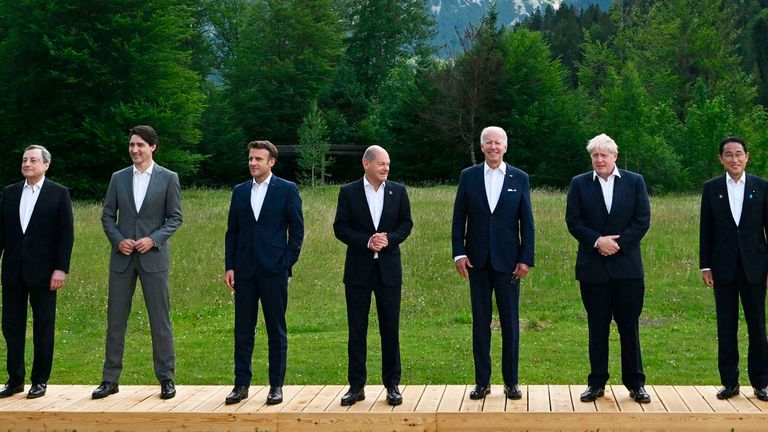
424 408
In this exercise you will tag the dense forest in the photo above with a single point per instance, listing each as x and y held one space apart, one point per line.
666 79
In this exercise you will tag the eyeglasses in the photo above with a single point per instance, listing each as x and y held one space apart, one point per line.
736 156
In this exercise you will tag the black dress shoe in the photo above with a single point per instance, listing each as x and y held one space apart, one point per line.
479 392
37 391
236 395
10 390
762 393
353 395
394 397
167 389
592 393
513 392
105 389
640 395
275 395
728 392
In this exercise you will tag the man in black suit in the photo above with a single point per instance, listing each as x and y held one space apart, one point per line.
733 255
36 237
265 230
608 213
373 217
493 244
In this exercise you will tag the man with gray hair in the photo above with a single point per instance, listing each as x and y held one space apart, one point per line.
608 213
373 217
36 238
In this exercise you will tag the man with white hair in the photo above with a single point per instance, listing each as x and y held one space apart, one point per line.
493 240
608 213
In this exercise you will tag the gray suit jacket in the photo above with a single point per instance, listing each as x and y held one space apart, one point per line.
158 219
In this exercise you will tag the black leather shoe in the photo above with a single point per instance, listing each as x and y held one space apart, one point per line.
353 395
10 390
592 393
167 389
513 392
762 393
479 392
394 397
105 389
640 395
37 390
275 395
236 395
728 392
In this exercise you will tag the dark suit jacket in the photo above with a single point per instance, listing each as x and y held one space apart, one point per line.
31 257
588 219
507 234
354 227
159 218
272 244
721 241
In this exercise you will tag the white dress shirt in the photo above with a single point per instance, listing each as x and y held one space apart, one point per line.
494 180
735 195
607 186
29 196
375 199
258 192
140 184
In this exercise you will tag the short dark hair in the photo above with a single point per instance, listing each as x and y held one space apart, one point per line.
147 133
732 139
264 145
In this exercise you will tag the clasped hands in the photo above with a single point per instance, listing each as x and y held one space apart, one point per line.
606 245
143 245
463 265
378 241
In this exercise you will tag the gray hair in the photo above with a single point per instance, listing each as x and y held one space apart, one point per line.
43 150
602 142
493 129
371 152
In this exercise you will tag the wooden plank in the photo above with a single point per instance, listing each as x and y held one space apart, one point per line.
560 398
289 392
76 396
742 404
607 403
496 401
143 392
183 393
670 399
452 397
538 398
154 403
470 405
750 394
380 405
693 399
518 405
626 403
578 405
430 399
411 396
324 398
216 400
366 404
197 398
99 405
709 393
257 399
655 405
20 401
305 396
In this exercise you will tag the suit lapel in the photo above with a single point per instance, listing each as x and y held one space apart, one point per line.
598 194
154 184
128 184
481 187
722 196
16 203
507 187
273 187
749 194
361 201
44 190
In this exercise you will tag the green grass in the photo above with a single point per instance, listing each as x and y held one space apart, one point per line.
678 333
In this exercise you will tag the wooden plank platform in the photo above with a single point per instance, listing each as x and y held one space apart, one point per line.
424 408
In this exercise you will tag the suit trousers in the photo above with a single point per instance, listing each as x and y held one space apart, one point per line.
272 291
727 310
43 302
622 301
388 309
154 286
482 284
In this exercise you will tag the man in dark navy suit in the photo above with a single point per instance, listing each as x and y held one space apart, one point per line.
265 230
493 241
608 213
373 217
36 237
733 255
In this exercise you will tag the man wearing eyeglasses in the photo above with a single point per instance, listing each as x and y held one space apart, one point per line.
733 255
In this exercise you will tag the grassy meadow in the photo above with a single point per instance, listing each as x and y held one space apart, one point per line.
678 333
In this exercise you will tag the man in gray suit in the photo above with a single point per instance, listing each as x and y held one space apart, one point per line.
142 210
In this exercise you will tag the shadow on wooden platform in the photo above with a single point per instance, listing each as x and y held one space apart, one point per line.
424 408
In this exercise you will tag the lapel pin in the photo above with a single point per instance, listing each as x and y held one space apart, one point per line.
720 196
390 192
511 190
